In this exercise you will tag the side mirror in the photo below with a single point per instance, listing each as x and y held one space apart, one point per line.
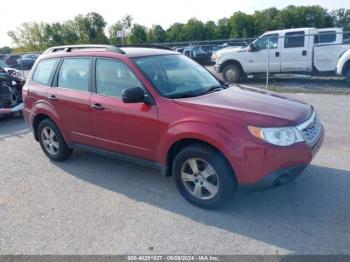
251 48
136 95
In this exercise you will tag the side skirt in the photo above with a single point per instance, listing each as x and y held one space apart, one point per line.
124 157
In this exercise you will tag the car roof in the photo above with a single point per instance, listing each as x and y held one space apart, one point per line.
128 51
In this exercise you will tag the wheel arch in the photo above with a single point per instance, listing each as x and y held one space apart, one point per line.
231 62
180 144
36 121
346 67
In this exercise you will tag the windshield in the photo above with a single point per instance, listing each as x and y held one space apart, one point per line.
176 76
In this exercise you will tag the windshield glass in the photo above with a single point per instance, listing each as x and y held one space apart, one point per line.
176 76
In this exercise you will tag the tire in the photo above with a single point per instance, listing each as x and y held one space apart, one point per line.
347 77
193 185
232 73
52 144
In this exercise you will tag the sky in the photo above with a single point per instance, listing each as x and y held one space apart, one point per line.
145 12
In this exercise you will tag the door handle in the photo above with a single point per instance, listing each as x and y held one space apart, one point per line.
97 106
52 97
304 52
277 54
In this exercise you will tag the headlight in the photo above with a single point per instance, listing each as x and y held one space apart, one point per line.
279 136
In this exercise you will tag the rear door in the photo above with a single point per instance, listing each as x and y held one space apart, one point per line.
296 55
70 96
130 129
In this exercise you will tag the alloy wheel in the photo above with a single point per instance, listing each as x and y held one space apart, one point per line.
200 178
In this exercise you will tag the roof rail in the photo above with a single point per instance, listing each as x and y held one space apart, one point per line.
69 48
147 46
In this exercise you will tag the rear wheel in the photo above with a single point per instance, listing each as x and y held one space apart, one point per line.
232 73
52 142
203 176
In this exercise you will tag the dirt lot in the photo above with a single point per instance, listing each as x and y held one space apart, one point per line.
97 205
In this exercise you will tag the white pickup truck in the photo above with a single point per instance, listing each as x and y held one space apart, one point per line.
302 50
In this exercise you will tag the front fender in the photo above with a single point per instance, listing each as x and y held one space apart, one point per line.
216 136
345 57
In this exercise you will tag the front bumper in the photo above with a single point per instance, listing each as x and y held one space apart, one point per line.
217 68
262 167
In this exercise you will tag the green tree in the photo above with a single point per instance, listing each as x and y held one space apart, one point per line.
223 29
265 20
242 25
5 50
303 16
341 18
121 25
210 29
194 30
175 33
138 34
156 34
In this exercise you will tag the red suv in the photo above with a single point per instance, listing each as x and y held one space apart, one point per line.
162 109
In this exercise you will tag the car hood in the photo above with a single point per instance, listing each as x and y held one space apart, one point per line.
231 50
252 106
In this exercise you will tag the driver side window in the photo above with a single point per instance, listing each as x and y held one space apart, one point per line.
267 41
113 76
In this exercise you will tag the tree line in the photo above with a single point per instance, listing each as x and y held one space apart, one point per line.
92 28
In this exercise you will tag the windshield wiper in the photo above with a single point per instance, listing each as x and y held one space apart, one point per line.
213 89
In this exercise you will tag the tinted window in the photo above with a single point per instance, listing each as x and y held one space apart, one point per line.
43 71
294 39
327 37
266 41
113 76
74 74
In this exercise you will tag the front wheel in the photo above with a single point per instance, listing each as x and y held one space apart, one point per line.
232 73
203 176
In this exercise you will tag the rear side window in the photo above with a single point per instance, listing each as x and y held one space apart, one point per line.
294 39
44 70
74 74
327 37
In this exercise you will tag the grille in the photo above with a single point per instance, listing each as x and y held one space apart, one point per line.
311 130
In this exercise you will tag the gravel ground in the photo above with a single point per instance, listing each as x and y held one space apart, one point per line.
98 205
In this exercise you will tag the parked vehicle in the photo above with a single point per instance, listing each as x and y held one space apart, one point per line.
3 57
160 108
11 70
179 49
301 50
27 61
197 54
10 93
12 61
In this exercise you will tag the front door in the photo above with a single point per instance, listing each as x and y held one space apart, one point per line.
265 56
130 129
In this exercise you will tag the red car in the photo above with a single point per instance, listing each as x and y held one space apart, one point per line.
159 108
